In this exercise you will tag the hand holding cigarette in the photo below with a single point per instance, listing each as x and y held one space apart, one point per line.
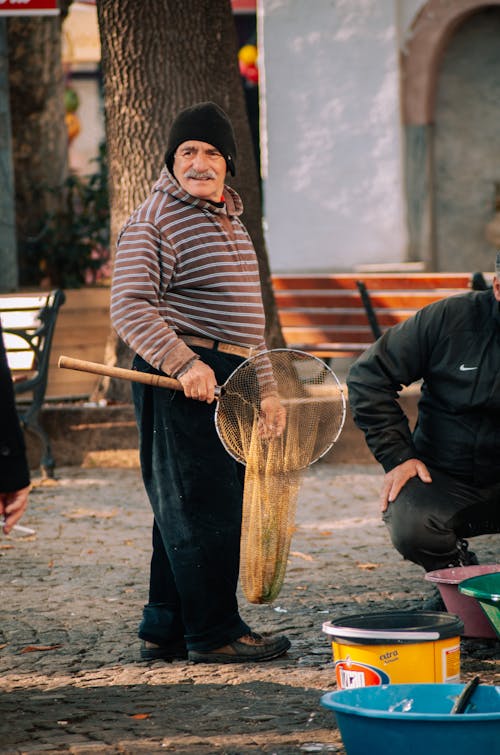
13 506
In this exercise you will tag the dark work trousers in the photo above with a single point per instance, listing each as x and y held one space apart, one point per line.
196 490
427 521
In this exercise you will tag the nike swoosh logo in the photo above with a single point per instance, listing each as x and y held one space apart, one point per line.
463 368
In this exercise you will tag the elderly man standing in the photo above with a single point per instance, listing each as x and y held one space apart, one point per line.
186 298
442 482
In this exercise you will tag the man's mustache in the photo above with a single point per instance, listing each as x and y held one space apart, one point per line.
200 175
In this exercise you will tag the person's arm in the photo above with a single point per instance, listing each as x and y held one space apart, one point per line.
403 355
14 470
138 280
374 382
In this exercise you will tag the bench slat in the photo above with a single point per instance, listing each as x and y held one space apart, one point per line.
374 281
21 361
21 319
317 299
314 335
18 302
335 318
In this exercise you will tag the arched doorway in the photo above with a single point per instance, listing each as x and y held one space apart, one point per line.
451 107
467 143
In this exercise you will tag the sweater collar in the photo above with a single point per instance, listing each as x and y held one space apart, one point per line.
168 184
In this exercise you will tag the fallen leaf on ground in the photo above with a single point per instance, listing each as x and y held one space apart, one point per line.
368 566
3 646
305 556
44 482
36 648
139 716
82 513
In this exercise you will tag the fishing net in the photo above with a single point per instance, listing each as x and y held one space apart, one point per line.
312 411
315 410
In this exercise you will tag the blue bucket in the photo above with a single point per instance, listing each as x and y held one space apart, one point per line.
416 719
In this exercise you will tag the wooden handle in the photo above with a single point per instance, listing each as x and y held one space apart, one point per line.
135 376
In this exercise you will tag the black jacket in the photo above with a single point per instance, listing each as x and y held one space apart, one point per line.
453 346
14 472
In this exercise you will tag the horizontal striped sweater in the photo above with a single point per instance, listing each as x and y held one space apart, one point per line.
185 266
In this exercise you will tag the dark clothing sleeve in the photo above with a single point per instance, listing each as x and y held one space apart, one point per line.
374 381
14 471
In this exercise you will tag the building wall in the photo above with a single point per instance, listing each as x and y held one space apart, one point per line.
379 136
330 126
81 53
331 132
450 69
84 149
467 143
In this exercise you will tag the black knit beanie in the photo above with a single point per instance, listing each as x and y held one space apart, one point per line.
204 122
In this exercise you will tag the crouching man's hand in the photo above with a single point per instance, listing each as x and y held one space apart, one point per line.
397 478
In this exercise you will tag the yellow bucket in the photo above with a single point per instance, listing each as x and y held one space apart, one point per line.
395 647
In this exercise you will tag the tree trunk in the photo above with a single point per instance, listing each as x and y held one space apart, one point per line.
157 59
9 277
39 136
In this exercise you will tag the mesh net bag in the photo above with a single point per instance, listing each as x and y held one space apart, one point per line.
315 411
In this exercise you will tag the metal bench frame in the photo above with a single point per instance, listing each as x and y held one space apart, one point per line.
42 310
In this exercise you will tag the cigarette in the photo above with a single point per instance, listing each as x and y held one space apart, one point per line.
20 528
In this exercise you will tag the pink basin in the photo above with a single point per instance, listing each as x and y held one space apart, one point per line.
467 608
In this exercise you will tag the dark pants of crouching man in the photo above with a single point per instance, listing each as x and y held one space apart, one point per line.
195 489
428 521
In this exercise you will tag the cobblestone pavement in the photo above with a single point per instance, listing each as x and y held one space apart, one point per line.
72 595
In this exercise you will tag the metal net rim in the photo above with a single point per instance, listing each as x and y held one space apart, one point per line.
302 354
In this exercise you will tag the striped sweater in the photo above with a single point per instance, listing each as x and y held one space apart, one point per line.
185 266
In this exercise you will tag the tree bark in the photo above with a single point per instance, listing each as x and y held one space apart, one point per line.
158 58
9 277
39 136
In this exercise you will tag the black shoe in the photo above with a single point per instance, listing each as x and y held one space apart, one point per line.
249 648
465 556
173 651
434 603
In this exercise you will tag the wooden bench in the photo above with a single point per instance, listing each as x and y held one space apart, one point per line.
340 315
28 322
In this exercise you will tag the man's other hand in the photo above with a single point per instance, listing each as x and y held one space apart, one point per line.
397 478
272 418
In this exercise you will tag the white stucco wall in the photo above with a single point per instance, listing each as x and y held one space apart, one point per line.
333 184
